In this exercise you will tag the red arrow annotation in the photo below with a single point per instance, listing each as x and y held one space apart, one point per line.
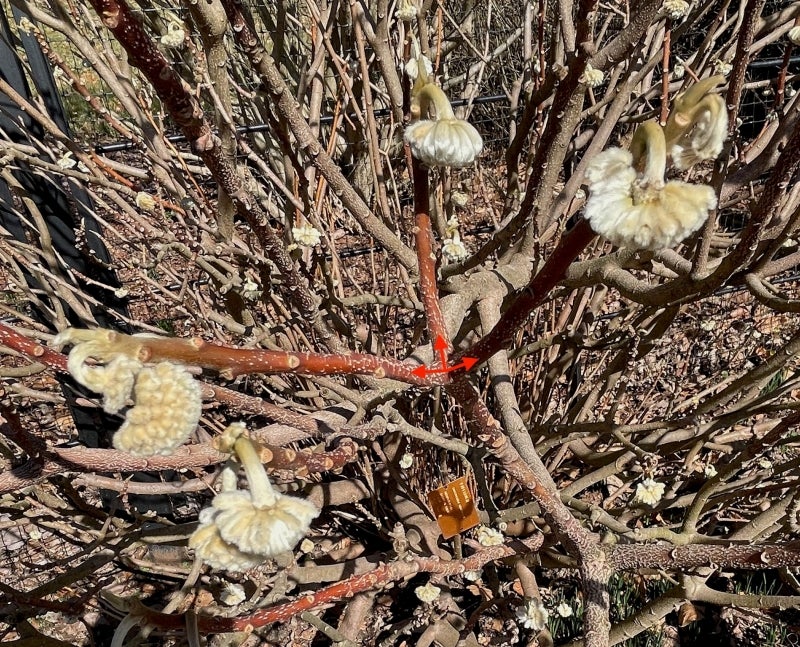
441 345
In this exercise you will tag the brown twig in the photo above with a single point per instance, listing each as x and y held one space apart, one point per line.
83 459
665 73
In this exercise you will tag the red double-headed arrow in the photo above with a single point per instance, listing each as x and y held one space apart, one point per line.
441 345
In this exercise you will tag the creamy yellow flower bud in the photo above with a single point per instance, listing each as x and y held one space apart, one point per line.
427 593
213 550
639 209
242 524
145 201
175 35
167 407
649 492
698 124
166 398
676 9
306 235
445 141
592 77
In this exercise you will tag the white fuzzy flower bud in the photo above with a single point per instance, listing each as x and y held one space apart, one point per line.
591 77
427 593
722 67
445 142
213 550
66 161
624 210
794 35
407 10
145 201
649 492
167 407
406 461
532 614
454 249
243 526
232 594
678 71
710 471
676 9
166 398
412 67
175 35
251 290
698 124
26 26
564 610
489 536
306 235
459 199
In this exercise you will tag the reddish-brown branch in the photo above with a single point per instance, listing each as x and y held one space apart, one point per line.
780 89
426 257
303 462
374 579
486 429
30 347
571 245
232 362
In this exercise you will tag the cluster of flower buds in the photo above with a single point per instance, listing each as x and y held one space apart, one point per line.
630 203
443 140
242 528
166 398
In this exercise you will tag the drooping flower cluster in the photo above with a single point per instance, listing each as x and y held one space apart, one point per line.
592 77
306 235
244 527
443 140
698 124
630 203
166 399
427 593
649 492
453 249
532 614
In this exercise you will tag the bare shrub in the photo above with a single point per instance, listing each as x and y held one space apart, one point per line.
236 177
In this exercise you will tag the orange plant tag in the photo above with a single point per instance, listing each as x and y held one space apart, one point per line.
454 507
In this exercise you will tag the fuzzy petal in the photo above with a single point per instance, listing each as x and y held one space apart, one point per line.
446 142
